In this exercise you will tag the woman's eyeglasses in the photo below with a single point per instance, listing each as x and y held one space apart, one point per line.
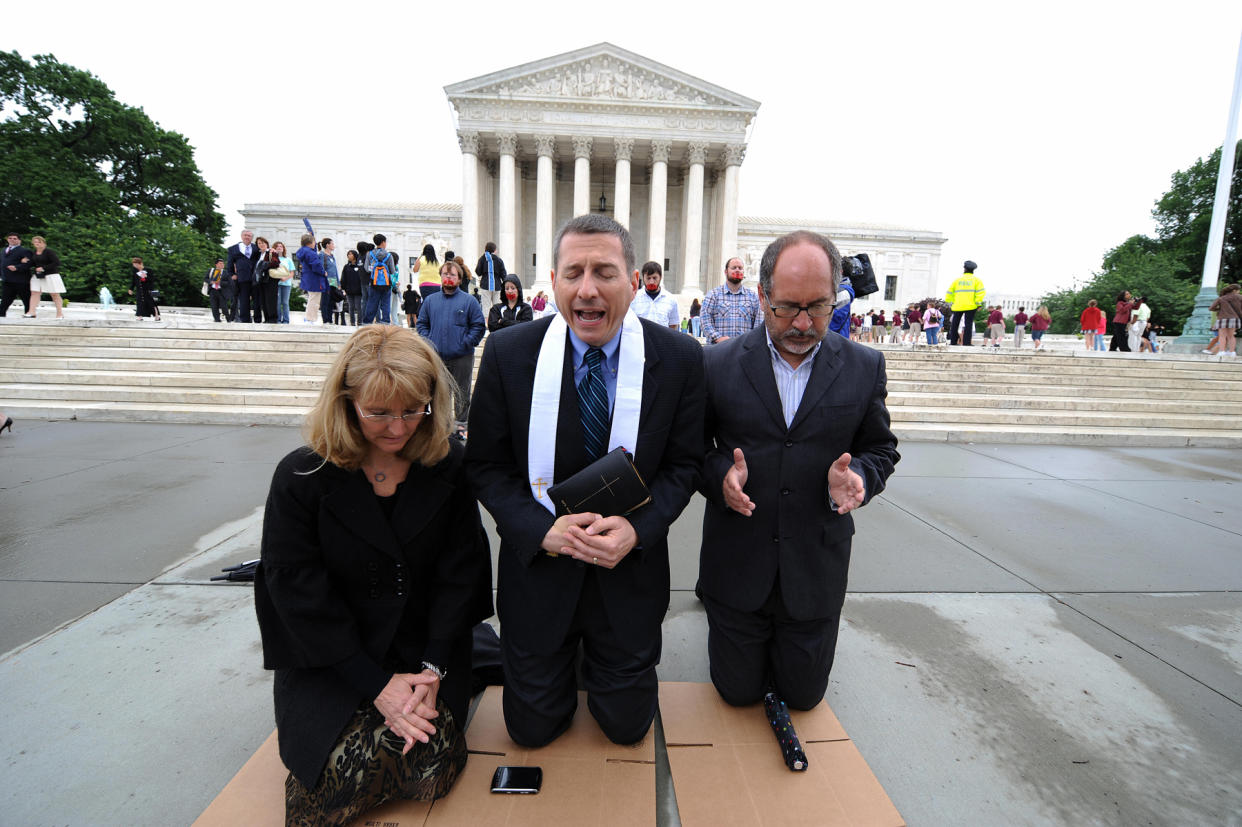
387 419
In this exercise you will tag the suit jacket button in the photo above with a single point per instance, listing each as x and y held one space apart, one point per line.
374 593
785 492
776 539
789 443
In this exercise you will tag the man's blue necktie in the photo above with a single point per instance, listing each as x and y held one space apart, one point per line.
593 405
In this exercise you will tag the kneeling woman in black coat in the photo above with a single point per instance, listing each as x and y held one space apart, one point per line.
374 569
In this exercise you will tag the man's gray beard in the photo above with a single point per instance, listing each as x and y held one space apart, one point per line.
796 344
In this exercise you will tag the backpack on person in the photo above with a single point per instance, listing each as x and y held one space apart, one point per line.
381 273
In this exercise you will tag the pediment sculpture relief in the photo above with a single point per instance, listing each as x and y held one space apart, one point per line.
602 77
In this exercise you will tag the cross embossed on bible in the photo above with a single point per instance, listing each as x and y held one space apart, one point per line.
606 485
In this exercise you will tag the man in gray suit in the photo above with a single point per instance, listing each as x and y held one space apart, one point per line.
797 437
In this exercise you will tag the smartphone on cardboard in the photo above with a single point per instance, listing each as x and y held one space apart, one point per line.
520 780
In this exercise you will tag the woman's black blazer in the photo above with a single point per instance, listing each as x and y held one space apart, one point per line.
336 578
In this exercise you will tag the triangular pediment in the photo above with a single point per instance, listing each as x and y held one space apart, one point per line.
598 74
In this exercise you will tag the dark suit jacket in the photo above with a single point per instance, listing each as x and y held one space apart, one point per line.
22 274
337 579
239 264
537 594
792 530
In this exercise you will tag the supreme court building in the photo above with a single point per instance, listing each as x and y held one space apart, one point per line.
603 129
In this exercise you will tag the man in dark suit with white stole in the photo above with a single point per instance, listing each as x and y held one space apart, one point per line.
552 396
797 437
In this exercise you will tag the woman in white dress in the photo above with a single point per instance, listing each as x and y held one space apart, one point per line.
45 272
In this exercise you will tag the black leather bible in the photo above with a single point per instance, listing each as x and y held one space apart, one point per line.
611 487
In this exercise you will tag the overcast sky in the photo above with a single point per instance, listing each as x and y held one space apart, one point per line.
1034 140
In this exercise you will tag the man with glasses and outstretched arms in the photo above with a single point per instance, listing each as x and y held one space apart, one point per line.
796 437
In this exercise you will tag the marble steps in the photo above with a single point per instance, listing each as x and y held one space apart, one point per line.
1067 390
221 355
322 351
980 380
949 355
951 415
1115 436
1164 408
104 365
178 337
168 379
1067 366
231 397
261 374
96 329
181 413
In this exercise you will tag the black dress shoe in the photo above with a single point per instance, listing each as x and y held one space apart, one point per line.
8 423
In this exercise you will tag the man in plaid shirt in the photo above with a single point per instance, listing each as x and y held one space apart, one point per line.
730 309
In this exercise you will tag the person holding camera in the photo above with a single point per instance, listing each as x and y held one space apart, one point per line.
1121 321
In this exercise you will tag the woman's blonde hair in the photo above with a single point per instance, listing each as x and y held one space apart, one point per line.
1043 311
378 364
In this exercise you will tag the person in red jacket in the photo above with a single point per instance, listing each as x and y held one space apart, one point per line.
1039 323
1090 323
1019 326
996 326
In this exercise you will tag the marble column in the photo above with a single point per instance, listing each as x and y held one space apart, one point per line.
659 201
582 174
545 180
469 142
621 194
733 154
692 278
506 235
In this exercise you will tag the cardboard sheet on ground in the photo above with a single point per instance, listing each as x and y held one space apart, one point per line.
256 796
587 780
727 767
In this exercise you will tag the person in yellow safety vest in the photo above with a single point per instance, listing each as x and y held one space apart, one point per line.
965 296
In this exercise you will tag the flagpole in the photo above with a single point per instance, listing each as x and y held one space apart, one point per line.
1196 331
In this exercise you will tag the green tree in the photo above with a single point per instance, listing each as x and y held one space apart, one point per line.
102 181
97 249
1167 268
1184 215
1155 274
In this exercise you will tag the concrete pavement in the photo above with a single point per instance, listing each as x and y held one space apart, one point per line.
1034 634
